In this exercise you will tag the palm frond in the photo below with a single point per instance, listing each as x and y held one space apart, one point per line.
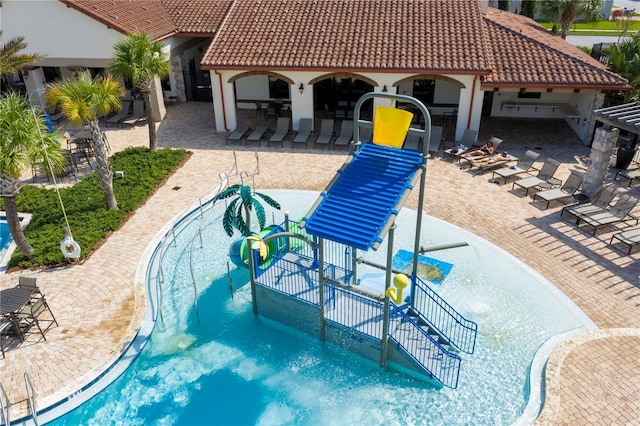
229 192
260 213
247 198
273 203
240 223
229 219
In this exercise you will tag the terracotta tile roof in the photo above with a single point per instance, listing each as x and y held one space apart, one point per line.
524 54
127 17
197 16
415 36
434 36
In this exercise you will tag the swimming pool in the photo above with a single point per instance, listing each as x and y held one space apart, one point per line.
7 246
233 368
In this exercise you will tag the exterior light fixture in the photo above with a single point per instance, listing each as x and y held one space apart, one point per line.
301 88
384 89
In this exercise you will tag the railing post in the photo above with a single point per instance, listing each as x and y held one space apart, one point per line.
252 273
5 418
321 288
31 399
387 283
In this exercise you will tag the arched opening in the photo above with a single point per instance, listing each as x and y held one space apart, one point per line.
439 93
336 94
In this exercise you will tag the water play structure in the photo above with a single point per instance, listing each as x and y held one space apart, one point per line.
314 286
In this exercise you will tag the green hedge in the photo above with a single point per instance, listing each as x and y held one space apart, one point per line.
85 205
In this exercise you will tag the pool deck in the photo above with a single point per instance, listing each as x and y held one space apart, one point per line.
99 303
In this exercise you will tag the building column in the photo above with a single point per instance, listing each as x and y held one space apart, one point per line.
603 142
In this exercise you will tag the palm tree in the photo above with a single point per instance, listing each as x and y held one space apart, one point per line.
139 59
565 12
624 59
81 100
528 8
11 60
238 212
23 137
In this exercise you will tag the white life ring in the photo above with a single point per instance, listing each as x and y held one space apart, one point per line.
69 248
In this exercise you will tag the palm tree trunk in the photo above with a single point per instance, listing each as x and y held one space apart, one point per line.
153 137
15 228
104 167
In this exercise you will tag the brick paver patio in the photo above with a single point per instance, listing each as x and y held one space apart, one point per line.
99 303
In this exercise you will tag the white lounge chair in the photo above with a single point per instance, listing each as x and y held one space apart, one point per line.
124 112
304 131
326 132
525 165
282 130
566 191
138 113
346 133
257 134
237 134
543 177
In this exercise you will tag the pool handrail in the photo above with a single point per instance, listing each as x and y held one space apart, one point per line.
461 332
5 418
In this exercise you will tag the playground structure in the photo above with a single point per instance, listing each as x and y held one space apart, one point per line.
308 278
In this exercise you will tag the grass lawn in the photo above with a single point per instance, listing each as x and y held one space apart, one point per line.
85 205
611 28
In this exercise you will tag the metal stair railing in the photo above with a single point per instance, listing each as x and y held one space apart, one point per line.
5 419
31 399
449 323
441 364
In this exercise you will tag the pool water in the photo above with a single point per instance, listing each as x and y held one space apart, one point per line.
224 366
5 236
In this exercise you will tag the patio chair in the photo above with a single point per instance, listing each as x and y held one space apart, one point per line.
366 134
30 284
629 238
304 132
346 133
471 159
616 214
469 138
257 134
483 164
106 141
548 169
411 141
237 134
30 316
599 202
566 191
124 112
435 138
524 166
282 130
138 114
326 132
5 326
628 174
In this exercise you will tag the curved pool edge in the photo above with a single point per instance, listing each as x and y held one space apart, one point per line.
142 281
553 403
140 328
538 391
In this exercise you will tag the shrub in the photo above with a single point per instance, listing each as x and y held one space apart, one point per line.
89 219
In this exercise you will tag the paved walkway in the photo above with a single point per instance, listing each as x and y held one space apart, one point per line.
99 304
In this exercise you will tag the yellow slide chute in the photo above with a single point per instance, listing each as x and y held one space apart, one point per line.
390 126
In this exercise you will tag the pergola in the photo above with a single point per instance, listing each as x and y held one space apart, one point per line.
624 117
